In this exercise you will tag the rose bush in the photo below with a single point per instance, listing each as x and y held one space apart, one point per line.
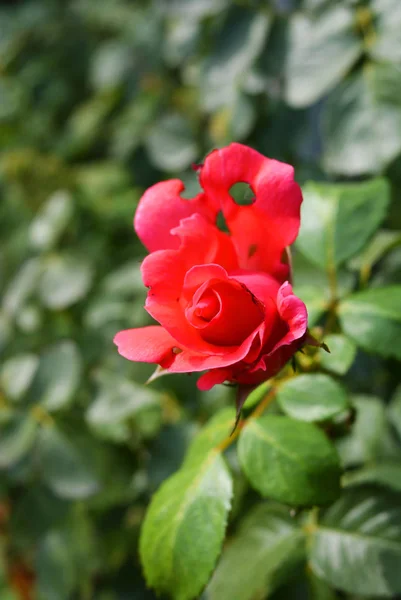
223 300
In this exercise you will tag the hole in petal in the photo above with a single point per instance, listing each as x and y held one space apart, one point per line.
242 194
192 186
221 223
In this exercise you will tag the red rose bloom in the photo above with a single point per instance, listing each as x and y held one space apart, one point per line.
222 299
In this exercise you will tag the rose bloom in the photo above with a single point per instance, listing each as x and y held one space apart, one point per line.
222 300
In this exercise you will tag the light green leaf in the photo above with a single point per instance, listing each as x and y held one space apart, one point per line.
338 219
363 442
117 401
362 122
274 545
217 429
58 376
22 286
17 373
382 243
51 221
312 397
289 461
384 473
171 144
321 51
17 436
315 300
236 47
372 319
387 26
342 353
56 575
394 410
184 528
357 546
257 395
65 468
65 280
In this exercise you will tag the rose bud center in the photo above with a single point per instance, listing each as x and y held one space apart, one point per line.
225 312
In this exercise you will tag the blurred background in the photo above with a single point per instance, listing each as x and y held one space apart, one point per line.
100 99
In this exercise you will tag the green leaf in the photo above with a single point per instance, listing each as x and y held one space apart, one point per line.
315 299
357 546
387 25
184 528
22 286
274 545
65 280
372 319
362 122
56 575
171 144
58 376
384 473
214 433
338 219
236 46
383 242
394 411
289 461
321 51
17 436
17 373
51 221
363 442
66 469
257 395
342 354
117 401
312 398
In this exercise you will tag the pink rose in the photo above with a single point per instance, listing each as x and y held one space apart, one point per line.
222 300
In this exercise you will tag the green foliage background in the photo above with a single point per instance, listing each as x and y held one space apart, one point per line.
98 100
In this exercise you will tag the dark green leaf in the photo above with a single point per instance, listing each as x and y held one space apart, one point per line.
338 219
372 319
321 51
274 545
289 461
312 397
357 546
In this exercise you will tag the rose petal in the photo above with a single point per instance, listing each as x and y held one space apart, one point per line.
151 344
161 208
211 378
264 229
